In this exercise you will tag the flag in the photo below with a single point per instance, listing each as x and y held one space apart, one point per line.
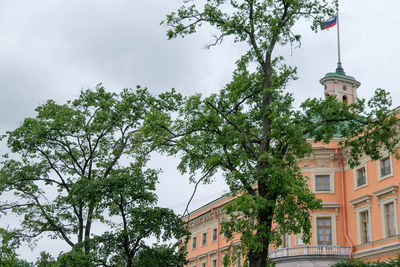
329 23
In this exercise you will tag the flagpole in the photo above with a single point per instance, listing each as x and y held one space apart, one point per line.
338 36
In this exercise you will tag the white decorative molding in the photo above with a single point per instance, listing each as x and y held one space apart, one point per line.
359 200
355 174
360 209
391 197
322 163
323 171
314 217
331 205
390 189
378 166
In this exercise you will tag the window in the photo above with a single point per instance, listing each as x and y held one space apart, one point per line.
299 239
385 167
361 177
389 219
362 208
194 239
323 180
324 231
285 241
214 234
214 263
364 226
344 99
322 183
203 264
239 262
387 199
204 239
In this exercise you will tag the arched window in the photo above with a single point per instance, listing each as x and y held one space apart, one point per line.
344 99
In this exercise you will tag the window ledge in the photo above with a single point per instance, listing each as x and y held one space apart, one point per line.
385 177
359 187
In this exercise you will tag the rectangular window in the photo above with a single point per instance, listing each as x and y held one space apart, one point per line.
214 263
324 231
299 239
214 234
389 219
239 263
204 238
361 177
194 239
385 166
203 264
322 183
285 241
364 221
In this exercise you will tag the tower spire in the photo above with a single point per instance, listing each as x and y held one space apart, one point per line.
339 69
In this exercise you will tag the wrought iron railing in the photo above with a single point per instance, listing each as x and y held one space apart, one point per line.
310 250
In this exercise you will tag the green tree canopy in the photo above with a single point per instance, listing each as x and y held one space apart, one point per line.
83 162
250 129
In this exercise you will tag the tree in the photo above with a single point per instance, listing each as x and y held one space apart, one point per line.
160 256
73 170
250 129
129 197
45 260
358 263
8 246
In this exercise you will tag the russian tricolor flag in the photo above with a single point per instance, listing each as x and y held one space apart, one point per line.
329 23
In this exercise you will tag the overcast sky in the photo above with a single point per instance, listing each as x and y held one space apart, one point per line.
52 49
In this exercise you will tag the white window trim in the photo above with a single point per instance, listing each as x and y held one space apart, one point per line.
358 210
378 166
358 217
382 202
297 238
314 226
212 261
286 240
202 238
355 175
331 174
212 234
191 244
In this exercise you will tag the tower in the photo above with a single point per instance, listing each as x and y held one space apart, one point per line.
339 84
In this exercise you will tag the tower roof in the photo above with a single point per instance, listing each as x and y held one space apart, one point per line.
340 75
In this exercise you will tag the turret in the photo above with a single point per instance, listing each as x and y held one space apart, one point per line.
339 84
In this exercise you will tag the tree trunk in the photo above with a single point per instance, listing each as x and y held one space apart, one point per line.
129 262
258 259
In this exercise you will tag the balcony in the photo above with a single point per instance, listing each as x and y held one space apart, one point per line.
310 251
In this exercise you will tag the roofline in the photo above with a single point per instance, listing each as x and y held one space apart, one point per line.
205 206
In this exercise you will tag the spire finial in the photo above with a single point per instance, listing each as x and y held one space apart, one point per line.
339 69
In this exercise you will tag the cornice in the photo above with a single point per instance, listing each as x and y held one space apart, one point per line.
390 189
361 199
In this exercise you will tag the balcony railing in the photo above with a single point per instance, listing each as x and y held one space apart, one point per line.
310 250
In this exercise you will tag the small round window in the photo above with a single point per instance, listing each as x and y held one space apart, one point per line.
344 87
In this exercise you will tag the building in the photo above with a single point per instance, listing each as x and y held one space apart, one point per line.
359 216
